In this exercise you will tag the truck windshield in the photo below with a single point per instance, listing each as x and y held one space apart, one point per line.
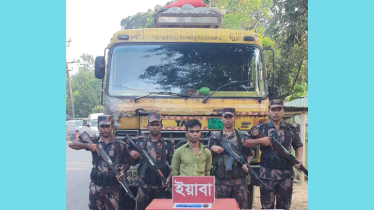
136 70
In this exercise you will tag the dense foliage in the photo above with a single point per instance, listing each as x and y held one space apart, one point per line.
86 89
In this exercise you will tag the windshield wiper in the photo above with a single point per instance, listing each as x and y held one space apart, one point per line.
227 84
159 93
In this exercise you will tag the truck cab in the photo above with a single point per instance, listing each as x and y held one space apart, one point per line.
186 68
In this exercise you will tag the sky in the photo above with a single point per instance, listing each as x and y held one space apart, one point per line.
90 24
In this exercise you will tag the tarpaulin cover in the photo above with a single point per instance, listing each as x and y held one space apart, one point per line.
180 3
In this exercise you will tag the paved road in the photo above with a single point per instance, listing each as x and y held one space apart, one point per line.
78 169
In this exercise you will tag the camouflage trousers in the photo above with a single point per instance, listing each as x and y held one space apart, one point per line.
103 197
146 195
279 190
239 192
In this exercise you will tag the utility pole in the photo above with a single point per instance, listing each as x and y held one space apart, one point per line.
68 75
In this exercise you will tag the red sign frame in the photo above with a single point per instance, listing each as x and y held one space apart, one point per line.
194 189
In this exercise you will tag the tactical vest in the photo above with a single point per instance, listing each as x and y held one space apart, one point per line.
151 176
104 178
270 158
219 162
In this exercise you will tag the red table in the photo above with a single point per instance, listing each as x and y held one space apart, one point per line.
221 203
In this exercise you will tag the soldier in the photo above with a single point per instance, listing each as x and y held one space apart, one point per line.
103 189
192 158
161 151
230 184
275 171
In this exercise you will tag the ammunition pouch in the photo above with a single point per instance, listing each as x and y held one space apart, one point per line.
219 168
270 158
103 178
93 175
151 176
274 162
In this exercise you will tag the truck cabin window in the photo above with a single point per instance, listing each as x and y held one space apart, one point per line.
136 70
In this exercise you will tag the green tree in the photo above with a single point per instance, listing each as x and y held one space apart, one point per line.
85 72
139 20
98 109
84 100
298 91
85 87
250 15
289 29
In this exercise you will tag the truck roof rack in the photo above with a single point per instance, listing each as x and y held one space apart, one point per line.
188 16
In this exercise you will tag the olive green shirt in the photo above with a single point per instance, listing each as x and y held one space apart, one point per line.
185 163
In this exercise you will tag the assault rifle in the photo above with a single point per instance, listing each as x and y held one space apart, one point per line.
104 156
233 156
148 162
255 132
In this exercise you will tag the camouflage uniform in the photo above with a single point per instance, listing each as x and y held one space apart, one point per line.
278 182
102 196
228 186
147 192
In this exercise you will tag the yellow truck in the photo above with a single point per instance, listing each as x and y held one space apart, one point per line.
185 68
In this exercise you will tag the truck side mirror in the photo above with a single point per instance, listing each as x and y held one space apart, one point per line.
99 67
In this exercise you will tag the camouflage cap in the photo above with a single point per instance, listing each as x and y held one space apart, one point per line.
104 120
154 117
276 103
226 111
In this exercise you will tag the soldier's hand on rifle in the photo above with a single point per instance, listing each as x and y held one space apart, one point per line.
94 148
134 154
122 174
217 149
168 180
245 168
297 166
266 141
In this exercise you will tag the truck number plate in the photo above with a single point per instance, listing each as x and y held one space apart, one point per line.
215 123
